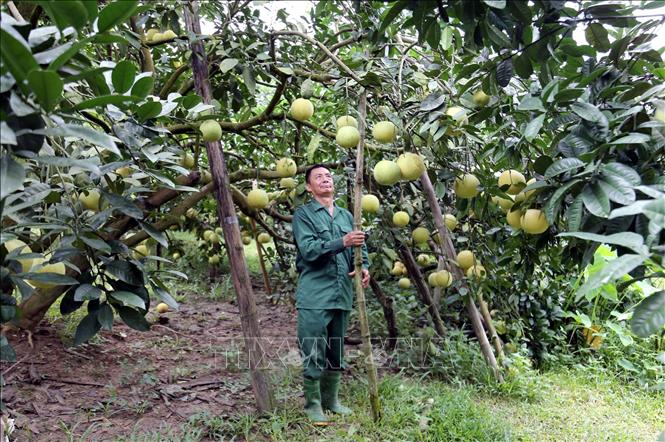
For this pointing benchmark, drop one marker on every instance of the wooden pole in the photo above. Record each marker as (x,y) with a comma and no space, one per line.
(259,251)
(494,337)
(372,379)
(388,312)
(229,222)
(448,250)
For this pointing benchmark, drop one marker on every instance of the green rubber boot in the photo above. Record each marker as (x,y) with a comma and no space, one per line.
(313,402)
(330,392)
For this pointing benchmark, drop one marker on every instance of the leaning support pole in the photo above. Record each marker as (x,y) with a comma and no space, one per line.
(259,252)
(449,252)
(372,379)
(229,222)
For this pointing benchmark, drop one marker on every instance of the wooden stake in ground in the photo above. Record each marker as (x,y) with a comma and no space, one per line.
(372,379)
(229,222)
(448,250)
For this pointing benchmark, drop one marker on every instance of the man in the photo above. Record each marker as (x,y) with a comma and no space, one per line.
(325,240)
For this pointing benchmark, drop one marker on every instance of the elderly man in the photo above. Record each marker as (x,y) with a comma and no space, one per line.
(324,239)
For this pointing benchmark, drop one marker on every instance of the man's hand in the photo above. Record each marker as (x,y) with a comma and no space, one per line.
(355,238)
(365,279)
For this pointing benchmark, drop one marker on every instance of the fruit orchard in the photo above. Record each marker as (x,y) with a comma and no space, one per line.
(513,174)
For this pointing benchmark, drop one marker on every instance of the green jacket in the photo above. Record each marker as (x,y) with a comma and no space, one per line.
(322,260)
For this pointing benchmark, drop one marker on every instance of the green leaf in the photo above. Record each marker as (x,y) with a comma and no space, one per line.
(84,132)
(649,315)
(432,101)
(504,72)
(47,87)
(105,316)
(563,165)
(228,64)
(66,13)
(87,328)
(125,271)
(523,66)
(655,211)
(531,104)
(542,163)
(630,240)
(128,299)
(12,175)
(496,4)
(165,296)
(446,38)
(610,272)
(87,292)
(148,110)
(632,138)
(623,172)
(123,76)
(133,318)
(596,200)
(143,86)
(589,112)
(16,55)
(554,202)
(116,100)
(392,14)
(617,191)
(123,204)
(534,127)
(160,237)
(96,243)
(115,13)
(596,36)
(574,213)
(53,278)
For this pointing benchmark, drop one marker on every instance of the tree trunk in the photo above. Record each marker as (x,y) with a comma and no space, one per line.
(388,312)
(494,337)
(229,222)
(421,287)
(449,252)
(372,379)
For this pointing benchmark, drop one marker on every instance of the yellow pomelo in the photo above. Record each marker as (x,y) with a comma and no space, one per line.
(206,177)
(214,238)
(422,259)
(302,109)
(346,120)
(90,200)
(480,98)
(593,337)
(431,279)
(450,221)
(370,203)
(384,132)
(288,183)
(150,34)
(246,240)
(530,192)
(13,244)
(660,114)
(264,238)
(458,114)
(157,37)
(210,130)
(534,222)
(504,203)
(40,265)
(411,165)
(169,35)
(214,259)
(140,251)
(257,199)
(187,161)
(347,136)
(466,186)
(124,171)
(191,213)
(404,283)
(420,235)
(477,271)
(175,256)
(513,218)
(511,181)
(286,167)
(400,219)
(465,259)
(443,278)
(387,172)
(162,307)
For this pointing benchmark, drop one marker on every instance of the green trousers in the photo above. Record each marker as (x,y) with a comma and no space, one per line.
(321,340)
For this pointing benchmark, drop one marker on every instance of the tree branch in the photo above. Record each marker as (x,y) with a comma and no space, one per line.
(164,92)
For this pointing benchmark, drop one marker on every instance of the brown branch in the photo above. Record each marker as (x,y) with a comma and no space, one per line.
(164,92)
(147,64)
(97,120)
(342,43)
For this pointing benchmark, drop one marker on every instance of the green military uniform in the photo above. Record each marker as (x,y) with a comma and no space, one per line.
(324,296)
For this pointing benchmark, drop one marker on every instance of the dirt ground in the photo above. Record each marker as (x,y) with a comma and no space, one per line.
(191,361)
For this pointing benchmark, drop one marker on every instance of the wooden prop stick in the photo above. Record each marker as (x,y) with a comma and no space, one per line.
(358,261)
(259,251)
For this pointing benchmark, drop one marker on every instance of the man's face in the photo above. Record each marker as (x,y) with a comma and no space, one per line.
(321,182)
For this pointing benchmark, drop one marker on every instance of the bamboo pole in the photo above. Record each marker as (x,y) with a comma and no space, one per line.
(229,221)
(449,251)
(494,337)
(358,261)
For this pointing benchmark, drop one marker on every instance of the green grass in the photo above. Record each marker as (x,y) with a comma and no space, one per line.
(569,406)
